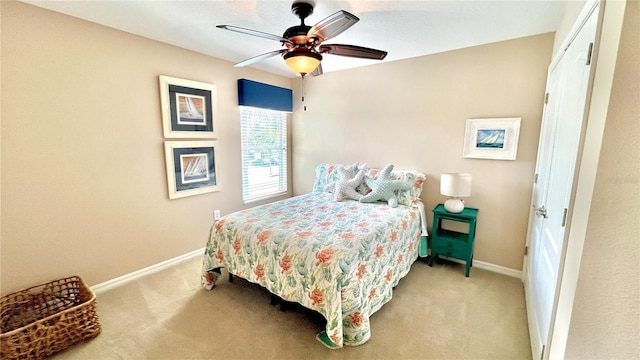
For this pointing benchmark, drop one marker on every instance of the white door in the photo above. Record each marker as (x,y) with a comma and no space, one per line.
(560,136)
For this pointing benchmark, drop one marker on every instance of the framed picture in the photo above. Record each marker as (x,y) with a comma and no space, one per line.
(188,108)
(191,167)
(495,139)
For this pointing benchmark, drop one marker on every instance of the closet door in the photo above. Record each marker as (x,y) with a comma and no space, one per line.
(559,145)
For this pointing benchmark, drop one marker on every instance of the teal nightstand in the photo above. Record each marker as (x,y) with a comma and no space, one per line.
(451,243)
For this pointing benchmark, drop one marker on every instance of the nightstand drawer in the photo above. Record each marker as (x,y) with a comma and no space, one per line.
(450,252)
(446,245)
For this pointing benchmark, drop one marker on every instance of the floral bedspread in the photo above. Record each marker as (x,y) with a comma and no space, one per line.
(341,259)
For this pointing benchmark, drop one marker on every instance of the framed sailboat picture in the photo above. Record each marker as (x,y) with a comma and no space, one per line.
(188,108)
(191,168)
(495,139)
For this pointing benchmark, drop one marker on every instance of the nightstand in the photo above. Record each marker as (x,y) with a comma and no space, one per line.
(453,244)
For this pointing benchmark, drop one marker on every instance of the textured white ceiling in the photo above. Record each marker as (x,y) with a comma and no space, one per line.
(403,28)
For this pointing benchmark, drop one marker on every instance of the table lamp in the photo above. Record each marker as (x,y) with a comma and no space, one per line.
(455,186)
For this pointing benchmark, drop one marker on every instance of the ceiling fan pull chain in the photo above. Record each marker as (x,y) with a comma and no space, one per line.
(303,93)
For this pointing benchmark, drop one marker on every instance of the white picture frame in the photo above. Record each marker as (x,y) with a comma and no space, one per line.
(188,108)
(192,168)
(494,138)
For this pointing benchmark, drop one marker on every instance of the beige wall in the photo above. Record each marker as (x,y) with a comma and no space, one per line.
(605,323)
(412,113)
(84,187)
(83,174)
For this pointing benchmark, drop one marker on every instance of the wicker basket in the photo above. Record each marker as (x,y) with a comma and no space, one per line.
(42,320)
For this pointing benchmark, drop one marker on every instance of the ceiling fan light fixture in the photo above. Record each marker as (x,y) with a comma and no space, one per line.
(302,62)
(303,44)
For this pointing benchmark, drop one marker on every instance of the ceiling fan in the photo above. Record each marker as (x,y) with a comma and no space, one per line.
(304,44)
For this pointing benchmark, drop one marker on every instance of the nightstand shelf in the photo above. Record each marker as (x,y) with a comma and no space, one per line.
(450,243)
(454,235)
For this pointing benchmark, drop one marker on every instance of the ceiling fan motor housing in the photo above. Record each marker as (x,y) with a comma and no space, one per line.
(297,34)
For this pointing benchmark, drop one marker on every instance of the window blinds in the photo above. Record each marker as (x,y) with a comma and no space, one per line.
(264,152)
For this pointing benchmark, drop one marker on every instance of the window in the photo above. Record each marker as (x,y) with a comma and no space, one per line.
(264,152)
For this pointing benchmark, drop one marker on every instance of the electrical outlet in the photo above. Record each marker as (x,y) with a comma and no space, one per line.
(216,214)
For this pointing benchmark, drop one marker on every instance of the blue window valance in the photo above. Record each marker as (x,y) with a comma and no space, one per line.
(265,96)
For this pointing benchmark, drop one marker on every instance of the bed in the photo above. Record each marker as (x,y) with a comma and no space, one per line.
(339,258)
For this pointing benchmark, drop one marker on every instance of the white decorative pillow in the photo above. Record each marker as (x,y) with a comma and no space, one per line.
(327,174)
(384,187)
(345,187)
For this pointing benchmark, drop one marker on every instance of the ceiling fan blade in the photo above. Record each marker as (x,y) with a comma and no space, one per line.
(353,51)
(254,33)
(317,71)
(259,58)
(332,26)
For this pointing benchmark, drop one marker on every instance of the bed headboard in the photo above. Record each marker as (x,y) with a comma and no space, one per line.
(327,173)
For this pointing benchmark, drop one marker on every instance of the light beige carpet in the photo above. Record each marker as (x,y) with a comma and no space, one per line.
(435,313)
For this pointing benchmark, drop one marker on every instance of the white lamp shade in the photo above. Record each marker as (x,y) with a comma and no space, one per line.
(456,185)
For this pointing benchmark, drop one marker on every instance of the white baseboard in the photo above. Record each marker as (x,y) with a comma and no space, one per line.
(497,269)
(490,267)
(119,281)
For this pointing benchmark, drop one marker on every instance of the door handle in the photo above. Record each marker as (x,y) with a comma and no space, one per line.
(540,211)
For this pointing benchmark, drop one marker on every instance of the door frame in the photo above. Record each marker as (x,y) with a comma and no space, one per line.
(544,345)
(604,58)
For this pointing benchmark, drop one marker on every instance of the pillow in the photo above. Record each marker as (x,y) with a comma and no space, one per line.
(345,187)
(384,187)
(327,174)
(408,197)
